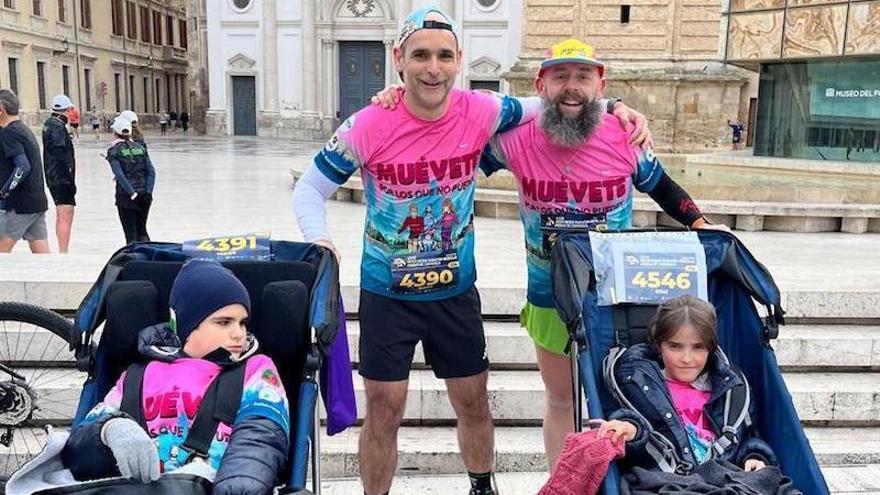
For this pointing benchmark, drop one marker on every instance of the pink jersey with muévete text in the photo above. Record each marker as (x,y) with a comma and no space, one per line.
(419,179)
(570,188)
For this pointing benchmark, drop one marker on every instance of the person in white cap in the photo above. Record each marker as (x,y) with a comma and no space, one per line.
(137,135)
(59,162)
(135,177)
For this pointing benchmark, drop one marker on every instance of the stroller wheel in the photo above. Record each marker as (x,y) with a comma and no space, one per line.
(39,382)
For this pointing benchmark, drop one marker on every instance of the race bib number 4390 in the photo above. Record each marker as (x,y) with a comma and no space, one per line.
(424,272)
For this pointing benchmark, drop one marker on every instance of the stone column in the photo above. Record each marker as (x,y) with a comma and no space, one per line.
(309,74)
(197,64)
(330,83)
(390,75)
(270,56)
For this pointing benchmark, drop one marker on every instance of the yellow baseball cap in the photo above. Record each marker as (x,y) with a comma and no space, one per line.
(571,51)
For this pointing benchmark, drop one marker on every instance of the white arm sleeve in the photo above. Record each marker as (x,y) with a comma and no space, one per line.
(311,193)
(531,108)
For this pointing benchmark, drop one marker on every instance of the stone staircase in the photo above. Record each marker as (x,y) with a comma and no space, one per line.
(829,354)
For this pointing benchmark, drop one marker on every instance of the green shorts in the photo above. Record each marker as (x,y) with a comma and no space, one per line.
(545,327)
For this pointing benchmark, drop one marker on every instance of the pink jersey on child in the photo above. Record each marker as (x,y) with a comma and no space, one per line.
(690,402)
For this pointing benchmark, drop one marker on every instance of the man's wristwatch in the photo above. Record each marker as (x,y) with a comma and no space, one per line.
(610,105)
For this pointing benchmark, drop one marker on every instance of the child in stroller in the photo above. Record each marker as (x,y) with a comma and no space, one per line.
(206,339)
(674,393)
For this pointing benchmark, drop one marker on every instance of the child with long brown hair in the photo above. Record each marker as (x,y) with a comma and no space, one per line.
(677,386)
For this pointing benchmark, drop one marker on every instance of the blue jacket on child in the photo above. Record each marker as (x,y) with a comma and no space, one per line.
(641,380)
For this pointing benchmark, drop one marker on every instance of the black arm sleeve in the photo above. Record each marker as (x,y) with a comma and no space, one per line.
(675,201)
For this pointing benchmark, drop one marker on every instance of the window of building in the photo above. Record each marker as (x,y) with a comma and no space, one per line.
(117,91)
(145,25)
(116,16)
(65,79)
(38,8)
(242,5)
(157,28)
(131,20)
(488,5)
(41,84)
(169,31)
(819,110)
(13,75)
(85,12)
(62,10)
(490,85)
(131,92)
(182,35)
(9,4)
(146,97)
(624,14)
(87,86)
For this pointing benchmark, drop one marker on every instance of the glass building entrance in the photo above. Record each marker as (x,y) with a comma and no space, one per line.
(820,109)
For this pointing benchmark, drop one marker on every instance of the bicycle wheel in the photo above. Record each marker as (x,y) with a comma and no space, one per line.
(39,382)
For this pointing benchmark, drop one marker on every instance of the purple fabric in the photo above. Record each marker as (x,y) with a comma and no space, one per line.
(337,388)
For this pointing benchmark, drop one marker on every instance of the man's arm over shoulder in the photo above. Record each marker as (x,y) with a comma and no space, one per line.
(493,157)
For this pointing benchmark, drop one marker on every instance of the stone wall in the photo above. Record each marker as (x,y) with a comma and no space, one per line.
(687,106)
(663,62)
(296,126)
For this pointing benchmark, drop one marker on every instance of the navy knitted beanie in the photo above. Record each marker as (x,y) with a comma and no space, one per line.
(202,287)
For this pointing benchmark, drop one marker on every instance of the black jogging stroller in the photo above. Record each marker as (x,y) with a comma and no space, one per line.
(295,316)
(736,281)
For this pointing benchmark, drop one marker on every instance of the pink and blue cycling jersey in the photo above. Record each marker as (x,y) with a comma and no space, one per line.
(419,178)
(570,189)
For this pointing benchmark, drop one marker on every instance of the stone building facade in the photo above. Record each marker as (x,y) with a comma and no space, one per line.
(110,55)
(296,68)
(662,57)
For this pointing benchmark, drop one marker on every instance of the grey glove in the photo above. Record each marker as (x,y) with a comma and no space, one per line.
(132,448)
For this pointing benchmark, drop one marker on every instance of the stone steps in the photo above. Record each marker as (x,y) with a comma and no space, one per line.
(799,347)
(434,450)
(814,347)
(517,398)
(842,480)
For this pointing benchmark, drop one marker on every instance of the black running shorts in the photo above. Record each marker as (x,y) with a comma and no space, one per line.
(64,194)
(451,332)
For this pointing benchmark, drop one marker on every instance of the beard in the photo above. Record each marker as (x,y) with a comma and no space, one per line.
(570,132)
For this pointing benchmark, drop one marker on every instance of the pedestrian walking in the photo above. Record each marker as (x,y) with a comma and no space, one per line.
(59,163)
(95,120)
(163,121)
(135,177)
(73,118)
(184,121)
(23,202)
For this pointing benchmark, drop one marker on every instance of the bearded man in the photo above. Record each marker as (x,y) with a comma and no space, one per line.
(575,170)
